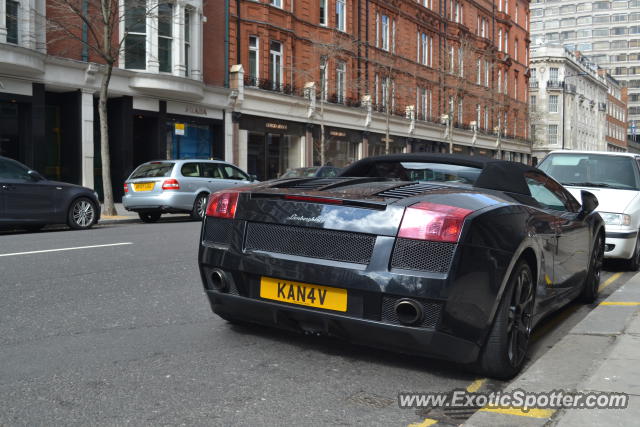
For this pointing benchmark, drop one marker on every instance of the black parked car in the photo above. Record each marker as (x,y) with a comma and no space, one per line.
(448,256)
(30,201)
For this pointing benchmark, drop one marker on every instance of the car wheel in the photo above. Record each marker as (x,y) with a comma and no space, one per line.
(592,281)
(504,352)
(149,217)
(200,207)
(82,214)
(634,263)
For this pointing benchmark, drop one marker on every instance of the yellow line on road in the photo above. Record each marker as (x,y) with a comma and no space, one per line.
(619,303)
(531,413)
(426,423)
(609,281)
(475,386)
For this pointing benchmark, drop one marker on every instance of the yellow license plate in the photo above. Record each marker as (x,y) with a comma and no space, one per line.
(303,294)
(144,186)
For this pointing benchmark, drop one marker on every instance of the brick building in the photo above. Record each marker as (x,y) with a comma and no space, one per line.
(362,69)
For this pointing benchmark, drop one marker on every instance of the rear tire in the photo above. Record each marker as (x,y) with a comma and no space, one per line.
(634,263)
(504,352)
(149,217)
(592,282)
(200,207)
(82,214)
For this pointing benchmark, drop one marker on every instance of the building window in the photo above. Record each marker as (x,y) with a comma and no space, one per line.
(254,60)
(341,70)
(460,62)
(553,74)
(486,73)
(515,87)
(478,72)
(533,102)
(499,39)
(425,48)
(277,3)
(324,12)
(384,32)
(341,15)
(552,137)
(506,42)
(478,115)
(135,43)
(12,21)
(187,40)
(486,118)
(515,50)
(165,36)
(499,81)
(451,60)
(460,111)
(275,68)
(324,80)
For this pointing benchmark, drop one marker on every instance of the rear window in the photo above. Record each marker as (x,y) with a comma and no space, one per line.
(592,170)
(425,172)
(153,170)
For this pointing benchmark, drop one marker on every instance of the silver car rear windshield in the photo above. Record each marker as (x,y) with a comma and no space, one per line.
(592,170)
(428,172)
(153,170)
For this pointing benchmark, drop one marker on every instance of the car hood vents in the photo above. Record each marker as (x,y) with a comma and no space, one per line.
(309,184)
(409,190)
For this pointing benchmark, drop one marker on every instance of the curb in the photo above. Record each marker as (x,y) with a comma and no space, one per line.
(570,362)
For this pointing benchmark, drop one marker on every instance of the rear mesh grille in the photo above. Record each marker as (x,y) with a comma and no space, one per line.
(218,230)
(431,312)
(422,255)
(409,190)
(311,242)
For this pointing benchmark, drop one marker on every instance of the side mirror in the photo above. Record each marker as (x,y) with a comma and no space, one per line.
(589,203)
(253,178)
(35,176)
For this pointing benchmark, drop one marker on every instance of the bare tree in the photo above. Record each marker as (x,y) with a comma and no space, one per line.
(95,25)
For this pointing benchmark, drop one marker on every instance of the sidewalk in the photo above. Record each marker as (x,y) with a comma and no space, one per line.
(124,216)
(601,353)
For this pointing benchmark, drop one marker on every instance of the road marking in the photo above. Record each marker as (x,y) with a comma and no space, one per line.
(66,249)
(426,423)
(531,412)
(609,281)
(619,303)
(475,386)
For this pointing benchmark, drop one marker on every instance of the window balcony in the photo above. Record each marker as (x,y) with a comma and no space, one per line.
(554,84)
(533,84)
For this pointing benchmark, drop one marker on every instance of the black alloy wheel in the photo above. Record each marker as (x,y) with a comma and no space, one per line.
(506,347)
(149,217)
(82,214)
(592,282)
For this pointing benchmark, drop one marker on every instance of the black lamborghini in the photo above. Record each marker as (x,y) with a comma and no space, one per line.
(447,256)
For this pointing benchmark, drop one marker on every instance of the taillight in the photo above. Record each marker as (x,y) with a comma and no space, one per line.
(126,188)
(171,184)
(431,221)
(223,204)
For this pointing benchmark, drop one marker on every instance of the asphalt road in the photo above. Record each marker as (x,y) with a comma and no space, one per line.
(120,333)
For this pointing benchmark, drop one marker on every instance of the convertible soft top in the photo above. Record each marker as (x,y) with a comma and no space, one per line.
(498,175)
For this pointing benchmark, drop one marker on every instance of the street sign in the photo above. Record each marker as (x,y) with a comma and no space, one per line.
(179,129)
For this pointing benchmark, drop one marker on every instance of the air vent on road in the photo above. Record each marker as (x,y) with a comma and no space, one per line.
(409,190)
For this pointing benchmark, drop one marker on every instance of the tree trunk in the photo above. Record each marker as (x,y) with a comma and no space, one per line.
(109,207)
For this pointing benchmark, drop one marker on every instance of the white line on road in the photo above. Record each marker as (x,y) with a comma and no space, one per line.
(67,249)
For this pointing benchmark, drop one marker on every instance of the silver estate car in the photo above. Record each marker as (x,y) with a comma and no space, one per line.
(174,186)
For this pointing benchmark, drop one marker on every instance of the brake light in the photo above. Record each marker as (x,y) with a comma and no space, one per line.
(314,199)
(126,188)
(223,204)
(171,184)
(431,221)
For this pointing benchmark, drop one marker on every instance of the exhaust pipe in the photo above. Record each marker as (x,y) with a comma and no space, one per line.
(408,312)
(218,281)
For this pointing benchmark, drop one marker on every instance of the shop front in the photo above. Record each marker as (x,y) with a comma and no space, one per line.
(378,144)
(422,146)
(341,146)
(272,146)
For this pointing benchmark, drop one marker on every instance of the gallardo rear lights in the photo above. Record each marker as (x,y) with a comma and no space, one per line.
(223,204)
(432,221)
